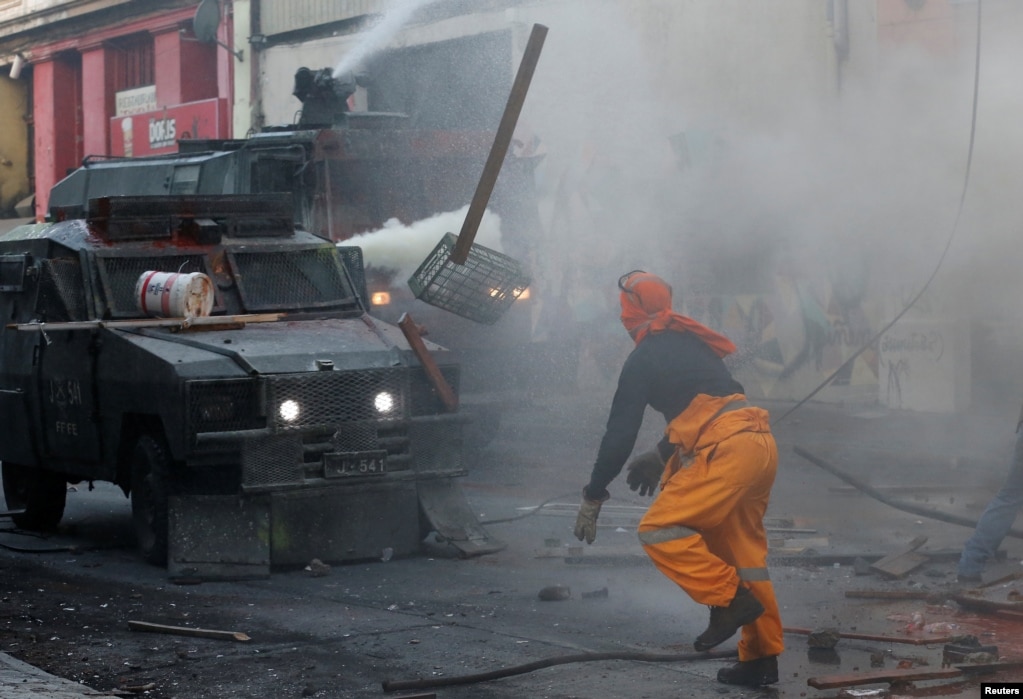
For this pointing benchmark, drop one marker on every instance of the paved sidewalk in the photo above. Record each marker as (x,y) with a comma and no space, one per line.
(20,680)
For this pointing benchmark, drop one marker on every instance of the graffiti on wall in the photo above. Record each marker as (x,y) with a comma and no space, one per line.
(795,335)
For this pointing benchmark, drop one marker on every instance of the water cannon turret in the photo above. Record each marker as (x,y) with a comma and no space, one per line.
(324,95)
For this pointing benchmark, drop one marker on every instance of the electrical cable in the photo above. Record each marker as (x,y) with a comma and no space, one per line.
(395,685)
(948,243)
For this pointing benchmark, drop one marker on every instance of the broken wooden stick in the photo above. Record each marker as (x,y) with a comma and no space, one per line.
(187,631)
(998,581)
(890,676)
(895,594)
(413,336)
(1011,610)
(913,641)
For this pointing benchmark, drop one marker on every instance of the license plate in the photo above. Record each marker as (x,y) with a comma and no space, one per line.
(363,463)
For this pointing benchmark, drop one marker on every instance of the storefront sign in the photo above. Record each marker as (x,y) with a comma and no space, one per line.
(159,131)
(136,101)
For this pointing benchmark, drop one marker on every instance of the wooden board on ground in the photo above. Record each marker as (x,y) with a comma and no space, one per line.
(896,565)
(134,625)
(890,676)
(986,606)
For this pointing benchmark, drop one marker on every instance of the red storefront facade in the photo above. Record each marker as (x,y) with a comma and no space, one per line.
(182,89)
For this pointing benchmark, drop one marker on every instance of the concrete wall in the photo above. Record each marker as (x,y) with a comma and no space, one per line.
(13,143)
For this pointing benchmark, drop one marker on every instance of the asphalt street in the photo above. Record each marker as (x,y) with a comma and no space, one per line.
(436,617)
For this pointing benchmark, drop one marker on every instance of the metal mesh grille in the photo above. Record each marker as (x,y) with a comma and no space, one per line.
(120,274)
(436,446)
(334,397)
(351,257)
(292,279)
(355,437)
(217,406)
(482,289)
(61,291)
(272,460)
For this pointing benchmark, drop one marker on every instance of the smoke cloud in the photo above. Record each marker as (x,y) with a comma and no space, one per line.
(731,148)
(402,248)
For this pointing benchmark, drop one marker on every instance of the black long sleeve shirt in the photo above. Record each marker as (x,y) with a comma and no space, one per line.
(665,371)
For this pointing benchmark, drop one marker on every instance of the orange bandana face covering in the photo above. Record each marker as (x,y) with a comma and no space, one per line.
(646,308)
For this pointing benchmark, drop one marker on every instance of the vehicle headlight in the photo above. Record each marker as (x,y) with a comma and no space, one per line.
(289,410)
(384,402)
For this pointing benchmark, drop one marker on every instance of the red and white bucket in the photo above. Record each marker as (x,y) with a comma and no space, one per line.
(174,295)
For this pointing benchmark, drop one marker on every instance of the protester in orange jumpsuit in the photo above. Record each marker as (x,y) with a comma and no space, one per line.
(714,470)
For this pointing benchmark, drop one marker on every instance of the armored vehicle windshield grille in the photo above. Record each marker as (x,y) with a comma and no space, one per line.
(291,279)
(329,398)
(224,405)
(118,275)
(61,294)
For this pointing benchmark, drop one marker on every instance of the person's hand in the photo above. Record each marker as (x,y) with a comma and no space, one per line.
(645,472)
(586,520)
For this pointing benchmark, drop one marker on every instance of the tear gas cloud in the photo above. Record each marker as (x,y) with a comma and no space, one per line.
(714,144)
(402,248)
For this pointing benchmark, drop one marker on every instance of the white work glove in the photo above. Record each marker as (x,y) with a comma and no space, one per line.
(586,520)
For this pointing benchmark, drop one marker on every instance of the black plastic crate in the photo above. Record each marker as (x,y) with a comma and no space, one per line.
(482,289)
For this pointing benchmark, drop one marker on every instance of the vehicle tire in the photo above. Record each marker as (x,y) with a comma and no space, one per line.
(150,487)
(42,495)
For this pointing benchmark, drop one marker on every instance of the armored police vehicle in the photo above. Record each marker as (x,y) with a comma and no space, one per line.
(257,415)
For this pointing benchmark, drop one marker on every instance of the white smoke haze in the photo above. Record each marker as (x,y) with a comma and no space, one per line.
(402,248)
(798,168)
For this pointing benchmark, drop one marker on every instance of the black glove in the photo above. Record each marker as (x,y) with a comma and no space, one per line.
(645,472)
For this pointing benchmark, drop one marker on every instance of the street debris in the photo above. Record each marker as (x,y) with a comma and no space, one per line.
(864,694)
(967,649)
(129,690)
(874,637)
(187,631)
(894,676)
(555,593)
(823,638)
(317,568)
(1012,610)
(898,564)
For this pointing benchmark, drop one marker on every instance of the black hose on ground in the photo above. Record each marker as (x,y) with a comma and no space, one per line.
(397,685)
(897,504)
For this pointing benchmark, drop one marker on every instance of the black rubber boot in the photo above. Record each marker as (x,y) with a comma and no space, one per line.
(725,621)
(751,673)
